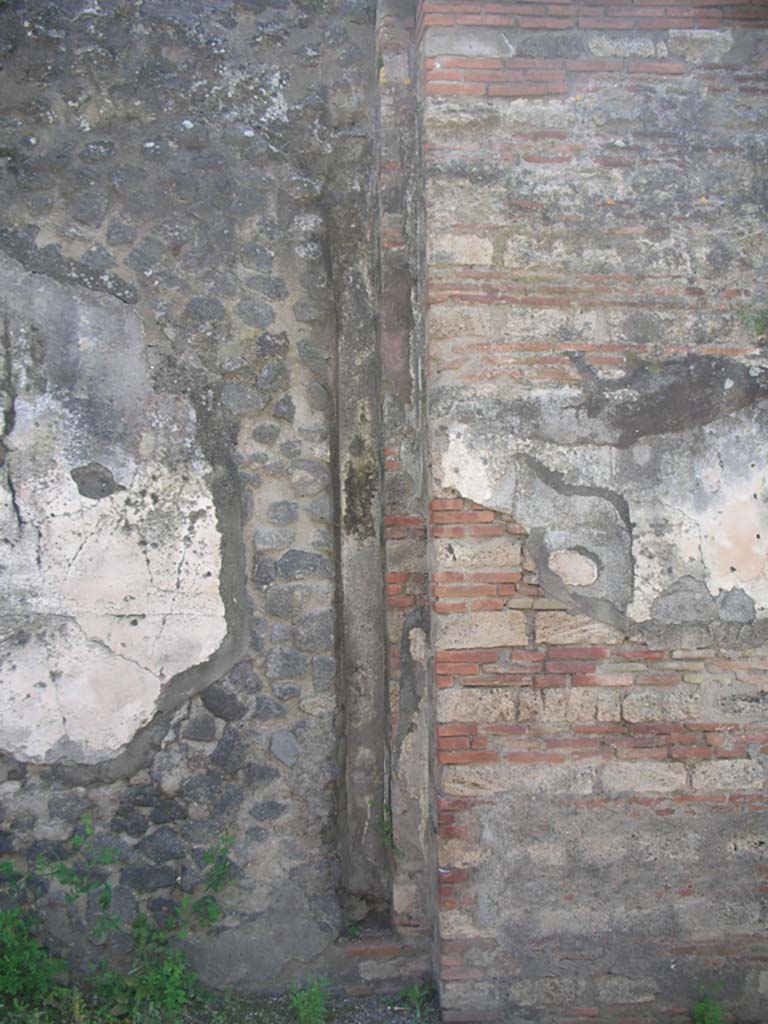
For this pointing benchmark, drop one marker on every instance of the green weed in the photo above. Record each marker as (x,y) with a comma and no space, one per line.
(755,317)
(27,969)
(417,996)
(385,826)
(310,1004)
(159,985)
(707,1009)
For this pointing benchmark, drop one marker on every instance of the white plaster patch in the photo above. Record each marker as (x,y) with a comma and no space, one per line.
(734,538)
(464,469)
(469,250)
(701,45)
(697,501)
(573,568)
(496,553)
(621,46)
(106,597)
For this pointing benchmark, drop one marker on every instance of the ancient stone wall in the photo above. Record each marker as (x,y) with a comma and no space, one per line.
(188,252)
(595,186)
(384,429)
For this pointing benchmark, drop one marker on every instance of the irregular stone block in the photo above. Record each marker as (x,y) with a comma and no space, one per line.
(728,774)
(635,777)
(284,747)
(561,629)
(481,629)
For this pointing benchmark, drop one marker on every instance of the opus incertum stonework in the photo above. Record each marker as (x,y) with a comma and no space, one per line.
(383,484)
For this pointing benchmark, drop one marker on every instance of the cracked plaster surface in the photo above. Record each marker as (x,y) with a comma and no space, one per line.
(104,599)
(688,506)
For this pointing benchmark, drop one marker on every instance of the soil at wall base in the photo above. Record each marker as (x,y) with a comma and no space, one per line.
(277,1010)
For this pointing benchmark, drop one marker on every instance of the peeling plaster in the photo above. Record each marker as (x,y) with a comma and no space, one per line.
(110,551)
(687,499)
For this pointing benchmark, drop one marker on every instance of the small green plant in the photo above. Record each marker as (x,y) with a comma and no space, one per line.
(310,1004)
(385,826)
(707,1009)
(86,875)
(416,996)
(27,969)
(755,317)
(160,983)
(353,932)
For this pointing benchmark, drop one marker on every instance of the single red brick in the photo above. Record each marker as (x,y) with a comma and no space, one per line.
(545,23)
(642,754)
(463,516)
(465,590)
(602,680)
(449,607)
(658,679)
(660,22)
(397,577)
(493,76)
(691,753)
(448,577)
(468,62)
(533,159)
(453,743)
(549,681)
(480,654)
(452,875)
(535,758)
(454,832)
(458,668)
(582,667)
(457,729)
(497,680)
(593,65)
(437,20)
(468,757)
(488,604)
(448,531)
(607,23)
(396,520)
(601,728)
(576,653)
(553,75)
(651,67)
(663,728)
(454,89)
(462,973)
(444,75)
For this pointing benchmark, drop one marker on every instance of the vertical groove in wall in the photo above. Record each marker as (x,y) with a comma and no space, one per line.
(350,208)
(400,353)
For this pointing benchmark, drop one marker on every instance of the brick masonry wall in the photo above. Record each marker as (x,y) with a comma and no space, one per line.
(592,224)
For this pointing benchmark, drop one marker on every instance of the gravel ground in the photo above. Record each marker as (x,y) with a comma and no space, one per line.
(277,1010)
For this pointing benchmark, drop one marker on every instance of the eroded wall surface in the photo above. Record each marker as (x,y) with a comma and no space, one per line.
(383,485)
(596,236)
(187,253)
